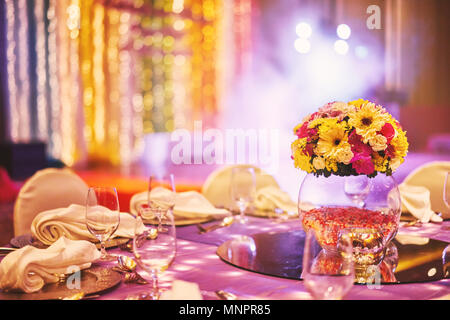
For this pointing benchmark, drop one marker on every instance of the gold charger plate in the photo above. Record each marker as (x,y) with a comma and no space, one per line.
(93,281)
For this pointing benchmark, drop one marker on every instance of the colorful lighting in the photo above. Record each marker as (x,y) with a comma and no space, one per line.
(303,30)
(343,31)
(341,47)
(302,45)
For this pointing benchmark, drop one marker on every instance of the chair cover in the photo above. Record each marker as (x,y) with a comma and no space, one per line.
(47,189)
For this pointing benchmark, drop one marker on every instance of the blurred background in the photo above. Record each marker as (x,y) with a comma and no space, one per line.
(103,83)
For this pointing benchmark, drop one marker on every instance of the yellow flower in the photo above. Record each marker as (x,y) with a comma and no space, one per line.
(319,163)
(331,141)
(379,162)
(395,163)
(378,142)
(331,165)
(301,160)
(368,120)
(400,144)
(358,103)
(344,155)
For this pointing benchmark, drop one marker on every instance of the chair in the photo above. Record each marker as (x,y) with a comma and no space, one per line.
(217,186)
(47,189)
(432,176)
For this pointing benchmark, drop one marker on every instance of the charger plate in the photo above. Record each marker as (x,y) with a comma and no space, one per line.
(280,254)
(94,280)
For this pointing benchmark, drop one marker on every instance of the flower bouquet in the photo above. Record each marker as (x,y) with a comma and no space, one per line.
(343,147)
(346,139)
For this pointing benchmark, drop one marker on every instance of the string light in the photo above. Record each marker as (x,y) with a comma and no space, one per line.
(23,98)
(11,63)
(41,72)
(106,75)
(55,136)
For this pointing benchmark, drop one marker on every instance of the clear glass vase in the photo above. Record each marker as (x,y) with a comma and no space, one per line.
(330,204)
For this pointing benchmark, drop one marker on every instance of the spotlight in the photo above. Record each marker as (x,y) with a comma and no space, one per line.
(303,30)
(361,52)
(343,31)
(302,45)
(341,47)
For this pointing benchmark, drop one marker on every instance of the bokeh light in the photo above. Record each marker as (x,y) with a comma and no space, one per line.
(343,31)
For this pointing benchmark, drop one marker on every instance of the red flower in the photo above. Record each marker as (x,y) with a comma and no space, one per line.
(305,132)
(388,131)
(309,149)
(358,147)
(390,151)
(362,164)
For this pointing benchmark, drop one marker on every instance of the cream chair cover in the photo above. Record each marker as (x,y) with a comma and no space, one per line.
(431,178)
(217,186)
(47,189)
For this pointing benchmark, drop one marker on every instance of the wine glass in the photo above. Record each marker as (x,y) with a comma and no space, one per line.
(243,189)
(154,249)
(447,190)
(161,195)
(328,275)
(357,188)
(102,216)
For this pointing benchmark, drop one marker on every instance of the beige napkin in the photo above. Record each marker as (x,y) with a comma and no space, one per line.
(188,205)
(29,269)
(416,200)
(182,290)
(270,198)
(49,226)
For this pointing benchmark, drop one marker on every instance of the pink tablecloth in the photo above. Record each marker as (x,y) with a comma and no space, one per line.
(198,262)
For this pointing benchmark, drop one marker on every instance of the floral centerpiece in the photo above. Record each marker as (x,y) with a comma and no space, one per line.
(346,139)
(343,147)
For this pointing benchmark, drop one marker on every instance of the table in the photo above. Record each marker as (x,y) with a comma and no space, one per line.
(197,261)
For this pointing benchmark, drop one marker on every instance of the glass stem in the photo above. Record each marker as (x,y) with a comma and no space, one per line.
(103,248)
(155,285)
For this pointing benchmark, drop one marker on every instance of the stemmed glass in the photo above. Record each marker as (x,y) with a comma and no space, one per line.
(446,194)
(243,189)
(161,195)
(328,275)
(154,249)
(102,216)
(357,188)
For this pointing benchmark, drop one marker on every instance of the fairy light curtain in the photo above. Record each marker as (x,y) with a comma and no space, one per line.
(92,77)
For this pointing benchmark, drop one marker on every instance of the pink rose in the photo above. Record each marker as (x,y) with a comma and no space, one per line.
(362,164)
(359,147)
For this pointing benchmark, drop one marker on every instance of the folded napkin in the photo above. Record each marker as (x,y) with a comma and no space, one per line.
(270,198)
(182,290)
(405,239)
(188,205)
(49,226)
(416,200)
(29,269)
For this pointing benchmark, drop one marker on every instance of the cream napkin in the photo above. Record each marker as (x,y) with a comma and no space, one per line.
(182,290)
(270,198)
(49,226)
(29,269)
(416,200)
(188,205)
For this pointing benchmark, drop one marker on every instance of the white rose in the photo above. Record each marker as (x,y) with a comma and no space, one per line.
(378,142)
(319,163)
